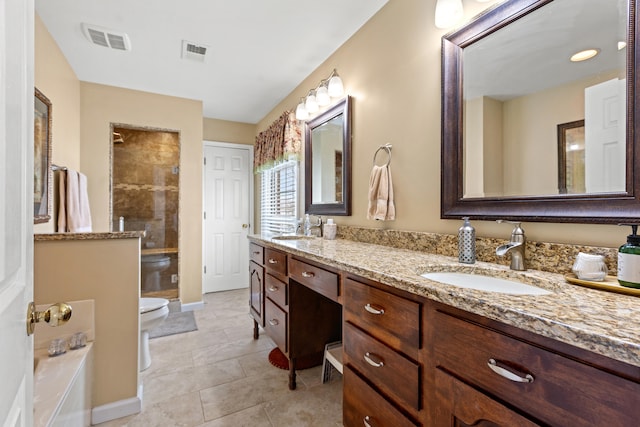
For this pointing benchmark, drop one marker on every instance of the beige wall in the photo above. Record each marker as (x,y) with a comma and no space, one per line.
(106,271)
(104,105)
(55,78)
(226,131)
(392,69)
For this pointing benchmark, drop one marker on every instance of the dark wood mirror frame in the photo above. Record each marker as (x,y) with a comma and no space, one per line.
(586,208)
(343,107)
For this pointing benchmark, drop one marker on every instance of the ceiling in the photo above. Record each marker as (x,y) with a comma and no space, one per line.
(258,51)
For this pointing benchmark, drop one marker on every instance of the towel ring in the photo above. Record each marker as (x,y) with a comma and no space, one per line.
(387,148)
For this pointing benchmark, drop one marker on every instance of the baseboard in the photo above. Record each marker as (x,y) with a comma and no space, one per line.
(114,410)
(193,306)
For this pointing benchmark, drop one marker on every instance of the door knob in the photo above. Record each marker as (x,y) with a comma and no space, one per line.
(56,315)
(245,225)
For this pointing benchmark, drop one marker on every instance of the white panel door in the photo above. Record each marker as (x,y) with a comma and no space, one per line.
(605,137)
(226,224)
(16,211)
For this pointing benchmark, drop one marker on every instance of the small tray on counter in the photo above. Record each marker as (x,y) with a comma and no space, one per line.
(610,284)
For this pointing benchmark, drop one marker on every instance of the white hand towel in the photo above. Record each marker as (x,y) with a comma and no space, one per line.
(381,205)
(78,212)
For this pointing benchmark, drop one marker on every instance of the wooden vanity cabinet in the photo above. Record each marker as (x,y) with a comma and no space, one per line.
(300,309)
(382,356)
(487,372)
(256,286)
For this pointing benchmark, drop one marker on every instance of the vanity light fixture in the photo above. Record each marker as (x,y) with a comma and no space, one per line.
(583,55)
(448,13)
(301,111)
(331,87)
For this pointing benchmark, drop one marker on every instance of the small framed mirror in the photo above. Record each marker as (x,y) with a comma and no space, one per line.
(328,161)
(42,175)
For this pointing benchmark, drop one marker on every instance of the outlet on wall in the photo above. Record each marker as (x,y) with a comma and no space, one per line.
(174,278)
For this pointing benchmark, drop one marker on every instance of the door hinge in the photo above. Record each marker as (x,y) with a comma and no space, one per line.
(205,161)
(205,269)
(205,214)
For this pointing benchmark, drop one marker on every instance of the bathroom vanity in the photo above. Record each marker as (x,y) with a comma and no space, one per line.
(422,353)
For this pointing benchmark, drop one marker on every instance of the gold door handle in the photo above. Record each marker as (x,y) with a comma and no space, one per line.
(245,225)
(56,315)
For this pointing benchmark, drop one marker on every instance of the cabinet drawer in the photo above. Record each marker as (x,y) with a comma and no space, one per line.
(563,391)
(392,373)
(276,290)
(363,406)
(322,281)
(275,261)
(389,318)
(256,253)
(276,324)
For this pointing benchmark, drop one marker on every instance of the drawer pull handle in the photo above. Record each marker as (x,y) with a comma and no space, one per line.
(373,310)
(256,252)
(366,421)
(369,358)
(273,288)
(273,261)
(308,274)
(274,322)
(508,374)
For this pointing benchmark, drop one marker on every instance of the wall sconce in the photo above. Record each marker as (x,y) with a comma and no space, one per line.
(448,13)
(320,97)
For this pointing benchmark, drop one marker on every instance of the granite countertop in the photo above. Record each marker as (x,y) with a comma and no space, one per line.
(602,322)
(88,236)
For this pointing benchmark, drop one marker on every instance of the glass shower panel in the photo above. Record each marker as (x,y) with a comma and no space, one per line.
(145,182)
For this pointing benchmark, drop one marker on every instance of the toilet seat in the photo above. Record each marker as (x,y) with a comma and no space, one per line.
(154,258)
(151,304)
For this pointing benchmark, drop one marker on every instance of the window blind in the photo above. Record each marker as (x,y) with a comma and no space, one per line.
(279,198)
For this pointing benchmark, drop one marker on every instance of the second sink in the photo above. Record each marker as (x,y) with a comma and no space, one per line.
(485,283)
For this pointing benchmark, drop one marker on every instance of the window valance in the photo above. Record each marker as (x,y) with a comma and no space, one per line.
(280,142)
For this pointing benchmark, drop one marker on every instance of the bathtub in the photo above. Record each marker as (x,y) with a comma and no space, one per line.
(62,388)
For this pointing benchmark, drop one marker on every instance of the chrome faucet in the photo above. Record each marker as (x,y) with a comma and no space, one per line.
(516,246)
(314,229)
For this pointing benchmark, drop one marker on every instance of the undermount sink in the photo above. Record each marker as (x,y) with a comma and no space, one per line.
(292,237)
(485,283)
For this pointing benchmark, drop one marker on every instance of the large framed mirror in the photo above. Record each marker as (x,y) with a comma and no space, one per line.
(508,83)
(328,161)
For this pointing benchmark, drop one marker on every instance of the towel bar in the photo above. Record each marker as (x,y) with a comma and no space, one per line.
(387,148)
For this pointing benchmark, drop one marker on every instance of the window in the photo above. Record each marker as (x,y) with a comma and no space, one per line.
(279,198)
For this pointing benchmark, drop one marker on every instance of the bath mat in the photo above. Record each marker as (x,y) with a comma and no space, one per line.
(279,360)
(175,323)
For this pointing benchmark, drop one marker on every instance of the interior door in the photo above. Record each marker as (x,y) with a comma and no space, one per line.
(605,136)
(226,223)
(16,210)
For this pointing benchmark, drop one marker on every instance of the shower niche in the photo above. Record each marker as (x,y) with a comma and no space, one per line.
(145,178)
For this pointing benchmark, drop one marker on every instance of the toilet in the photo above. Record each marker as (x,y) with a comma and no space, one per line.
(152,266)
(153,311)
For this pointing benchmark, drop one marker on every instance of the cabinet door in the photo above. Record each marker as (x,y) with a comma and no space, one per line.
(256,286)
(459,405)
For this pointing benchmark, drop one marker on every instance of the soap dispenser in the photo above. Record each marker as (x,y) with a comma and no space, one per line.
(629,260)
(467,242)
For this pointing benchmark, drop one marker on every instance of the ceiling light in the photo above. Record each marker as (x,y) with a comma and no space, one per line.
(448,13)
(622,45)
(584,55)
(335,88)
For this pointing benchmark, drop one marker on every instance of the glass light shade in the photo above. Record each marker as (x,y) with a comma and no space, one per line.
(301,111)
(448,13)
(335,88)
(311,105)
(322,96)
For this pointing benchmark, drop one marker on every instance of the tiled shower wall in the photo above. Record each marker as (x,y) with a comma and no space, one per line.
(145,178)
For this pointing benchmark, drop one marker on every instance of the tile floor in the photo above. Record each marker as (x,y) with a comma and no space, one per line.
(220,376)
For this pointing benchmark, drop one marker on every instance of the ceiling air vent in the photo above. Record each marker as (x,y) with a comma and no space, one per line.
(193,51)
(106,37)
